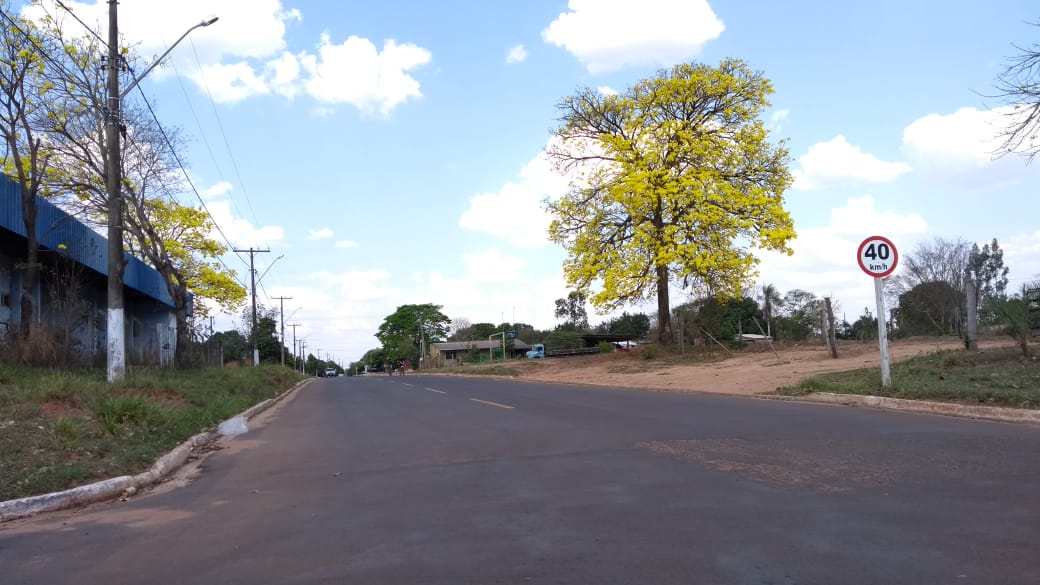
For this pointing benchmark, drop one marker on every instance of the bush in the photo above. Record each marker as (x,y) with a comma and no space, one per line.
(605,347)
(649,352)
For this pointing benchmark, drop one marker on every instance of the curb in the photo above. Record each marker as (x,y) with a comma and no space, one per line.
(117,486)
(995,413)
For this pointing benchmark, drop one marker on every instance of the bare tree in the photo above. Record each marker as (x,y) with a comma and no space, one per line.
(1019,87)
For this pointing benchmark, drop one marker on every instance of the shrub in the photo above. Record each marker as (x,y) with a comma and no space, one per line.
(605,347)
(649,352)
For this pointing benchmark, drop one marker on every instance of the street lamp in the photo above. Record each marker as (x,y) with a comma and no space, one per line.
(116,327)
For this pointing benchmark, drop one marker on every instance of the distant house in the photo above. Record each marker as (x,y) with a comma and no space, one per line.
(71,294)
(458,351)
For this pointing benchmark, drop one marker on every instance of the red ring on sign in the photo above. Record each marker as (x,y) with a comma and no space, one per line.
(891,246)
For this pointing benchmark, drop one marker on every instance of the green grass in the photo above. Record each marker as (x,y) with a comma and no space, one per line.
(994,377)
(60,429)
(487,370)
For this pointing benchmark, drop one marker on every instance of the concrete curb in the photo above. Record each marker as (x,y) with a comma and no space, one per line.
(117,486)
(996,413)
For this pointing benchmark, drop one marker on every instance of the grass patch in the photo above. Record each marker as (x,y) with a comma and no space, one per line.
(60,429)
(995,377)
(488,370)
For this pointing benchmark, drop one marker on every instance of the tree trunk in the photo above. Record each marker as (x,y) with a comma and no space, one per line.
(664,317)
(32,270)
(180,311)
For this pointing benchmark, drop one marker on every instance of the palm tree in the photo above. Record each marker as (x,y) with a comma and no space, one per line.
(770,300)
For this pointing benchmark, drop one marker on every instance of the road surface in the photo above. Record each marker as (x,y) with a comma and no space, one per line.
(459,481)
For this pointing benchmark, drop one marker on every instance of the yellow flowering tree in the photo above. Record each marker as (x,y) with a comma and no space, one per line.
(674,180)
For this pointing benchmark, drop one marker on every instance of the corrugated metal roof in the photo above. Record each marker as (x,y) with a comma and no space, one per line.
(54,228)
(481,344)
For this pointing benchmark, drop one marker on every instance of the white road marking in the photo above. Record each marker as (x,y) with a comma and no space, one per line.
(437,391)
(489,403)
(407,384)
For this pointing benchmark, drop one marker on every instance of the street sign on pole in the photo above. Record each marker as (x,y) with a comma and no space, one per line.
(878,257)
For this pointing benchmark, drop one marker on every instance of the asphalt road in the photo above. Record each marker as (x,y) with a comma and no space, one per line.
(458,481)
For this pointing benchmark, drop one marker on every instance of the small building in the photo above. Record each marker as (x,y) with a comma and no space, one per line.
(457,352)
(71,294)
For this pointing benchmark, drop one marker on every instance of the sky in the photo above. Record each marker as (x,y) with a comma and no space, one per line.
(391,152)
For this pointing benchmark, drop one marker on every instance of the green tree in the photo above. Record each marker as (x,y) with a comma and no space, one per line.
(771,302)
(986,268)
(1020,314)
(930,308)
(401,332)
(678,181)
(635,325)
(175,240)
(234,346)
(800,317)
(571,309)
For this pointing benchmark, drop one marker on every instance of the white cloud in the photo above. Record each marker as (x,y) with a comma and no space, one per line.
(1022,256)
(493,266)
(777,119)
(959,148)
(517,54)
(834,162)
(346,244)
(515,212)
(606,90)
(319,234)
(609,34)
(824,259)
(241,232)
(355,72)
(245,53)
(218,189)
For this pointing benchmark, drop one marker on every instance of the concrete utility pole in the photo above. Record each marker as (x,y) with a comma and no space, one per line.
(294,326)
(116,318)
(252,273)
(303,356)
(281,317)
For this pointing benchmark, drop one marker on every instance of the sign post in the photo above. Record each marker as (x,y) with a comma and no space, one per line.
(878,257)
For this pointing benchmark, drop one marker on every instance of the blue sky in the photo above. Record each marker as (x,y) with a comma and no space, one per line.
(389,152)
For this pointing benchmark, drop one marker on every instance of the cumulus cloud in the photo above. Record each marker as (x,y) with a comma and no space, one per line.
(515,211)
(245,54)
(777,119)
(824,259)
(960,148)
(606,35)
(834,162)
(606,90)
(517,54)
(319,234)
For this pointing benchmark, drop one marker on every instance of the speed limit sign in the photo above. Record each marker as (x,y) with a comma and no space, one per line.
(877,256)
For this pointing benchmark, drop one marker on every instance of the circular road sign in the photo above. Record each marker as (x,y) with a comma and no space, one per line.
(877,256)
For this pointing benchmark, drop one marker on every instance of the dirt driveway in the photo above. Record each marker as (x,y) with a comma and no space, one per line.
(743,373)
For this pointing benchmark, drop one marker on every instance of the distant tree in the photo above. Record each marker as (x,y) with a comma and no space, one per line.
(866,327)
(986,268)
(1018,86)
(1020,314)
(564,339)
(401,332)
(571,310)
(458,324)
(679,182)
(771,303)
(234,346)
(800,317)
(635,325)
(930,308)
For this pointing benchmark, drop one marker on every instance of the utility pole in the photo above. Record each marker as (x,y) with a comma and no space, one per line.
(115,329)
(281,317)
(317,354)
(294,326)
(303,356)
(252,273)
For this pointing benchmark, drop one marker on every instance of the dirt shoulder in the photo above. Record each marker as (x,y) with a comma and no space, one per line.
(744,373)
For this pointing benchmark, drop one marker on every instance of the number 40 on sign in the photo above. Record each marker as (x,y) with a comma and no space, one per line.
(878,256)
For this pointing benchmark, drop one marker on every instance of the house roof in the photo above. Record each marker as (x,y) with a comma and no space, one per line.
(480,344)
(57,230)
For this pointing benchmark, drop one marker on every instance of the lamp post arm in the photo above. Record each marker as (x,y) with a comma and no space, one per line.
(137,80)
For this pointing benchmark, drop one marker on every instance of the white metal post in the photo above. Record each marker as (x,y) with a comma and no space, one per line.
(879,290)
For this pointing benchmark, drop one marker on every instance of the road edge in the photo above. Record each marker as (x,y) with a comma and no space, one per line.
(115,487)
(994,413)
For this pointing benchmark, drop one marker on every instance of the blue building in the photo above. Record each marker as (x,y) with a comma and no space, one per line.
(71,293)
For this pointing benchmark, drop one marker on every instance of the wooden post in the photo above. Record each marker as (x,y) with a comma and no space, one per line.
(832,339)
(886,374)
(973,317)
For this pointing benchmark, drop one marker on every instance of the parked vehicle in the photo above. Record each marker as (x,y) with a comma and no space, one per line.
(331,373)
(538,351)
